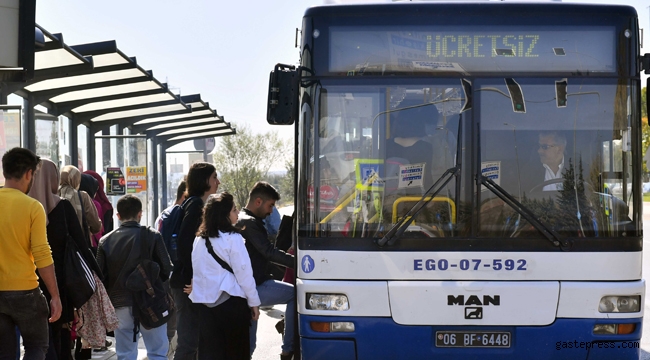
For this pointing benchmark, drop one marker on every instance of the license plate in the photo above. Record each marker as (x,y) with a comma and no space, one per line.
(473,339)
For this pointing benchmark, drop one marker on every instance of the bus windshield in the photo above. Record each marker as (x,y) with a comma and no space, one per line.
(559,147)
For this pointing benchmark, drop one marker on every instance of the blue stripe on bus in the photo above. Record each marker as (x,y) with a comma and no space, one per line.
(382,338)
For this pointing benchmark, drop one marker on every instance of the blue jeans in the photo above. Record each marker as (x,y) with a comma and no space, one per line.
(28,311)
(155,340)
(273,292)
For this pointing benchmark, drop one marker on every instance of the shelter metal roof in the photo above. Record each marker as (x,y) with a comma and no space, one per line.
(99,86)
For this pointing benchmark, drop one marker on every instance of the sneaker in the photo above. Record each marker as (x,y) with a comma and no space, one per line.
(107,344)
(266,308)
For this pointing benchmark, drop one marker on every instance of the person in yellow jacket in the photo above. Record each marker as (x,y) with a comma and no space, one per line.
(24,249)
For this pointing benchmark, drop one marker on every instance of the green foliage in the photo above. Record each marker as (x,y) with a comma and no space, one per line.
(244,159)
(287,183)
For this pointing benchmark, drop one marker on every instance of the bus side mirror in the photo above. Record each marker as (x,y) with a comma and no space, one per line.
(284,84)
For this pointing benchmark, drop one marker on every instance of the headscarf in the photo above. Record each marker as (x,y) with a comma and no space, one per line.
(45,186)
(101,195)
(70,180)
(89,184)
(70,176)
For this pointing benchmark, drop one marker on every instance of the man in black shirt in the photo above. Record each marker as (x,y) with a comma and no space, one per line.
(261,202)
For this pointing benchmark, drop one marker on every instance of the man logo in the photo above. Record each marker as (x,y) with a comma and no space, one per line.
(473,313)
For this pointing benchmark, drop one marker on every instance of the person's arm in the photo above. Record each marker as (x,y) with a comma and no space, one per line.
(91,213)
(186,235)
(256,235)
(161,256)
(49,278)
(240,263)
(101,261)
(42,254)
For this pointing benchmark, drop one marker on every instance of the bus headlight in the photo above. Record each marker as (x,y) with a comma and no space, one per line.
(337,302)
(620,304)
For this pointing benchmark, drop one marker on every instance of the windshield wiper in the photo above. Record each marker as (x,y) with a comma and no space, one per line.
(550,234)
(400,227)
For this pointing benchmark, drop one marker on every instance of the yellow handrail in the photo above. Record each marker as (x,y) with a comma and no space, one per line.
(340,207)
(417,198)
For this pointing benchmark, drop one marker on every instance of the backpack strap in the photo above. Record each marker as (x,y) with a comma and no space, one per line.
(223,264)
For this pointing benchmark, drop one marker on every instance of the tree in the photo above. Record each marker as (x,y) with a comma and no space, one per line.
(286,185)
(245,158)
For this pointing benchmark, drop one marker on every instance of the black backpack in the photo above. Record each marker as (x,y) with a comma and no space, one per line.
(152,305)
(171,225)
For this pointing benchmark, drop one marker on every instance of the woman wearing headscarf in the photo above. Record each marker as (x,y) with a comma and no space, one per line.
(90,185)
(60,213)
(106,214)
(83,204)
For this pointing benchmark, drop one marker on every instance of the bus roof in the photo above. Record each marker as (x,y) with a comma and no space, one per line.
(484,8)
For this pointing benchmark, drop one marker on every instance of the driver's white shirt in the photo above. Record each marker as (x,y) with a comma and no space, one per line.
(550,175)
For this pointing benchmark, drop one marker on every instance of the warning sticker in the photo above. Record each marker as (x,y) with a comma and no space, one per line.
(491,170)
(411,176)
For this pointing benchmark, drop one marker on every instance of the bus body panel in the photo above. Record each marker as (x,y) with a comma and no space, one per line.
(456,265)
(502,302)
(474,302)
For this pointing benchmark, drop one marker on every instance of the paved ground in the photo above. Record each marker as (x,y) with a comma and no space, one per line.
(268,340)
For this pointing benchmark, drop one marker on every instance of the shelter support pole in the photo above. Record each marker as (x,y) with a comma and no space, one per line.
(73,142)
(162,156)
(29,124)
(154,182)
(90,145)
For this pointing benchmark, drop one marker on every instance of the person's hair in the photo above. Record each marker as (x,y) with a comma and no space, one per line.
(128,206)
(197,178)
(17,161)
(264,191)
(559,137)
(181,190)
(216,216)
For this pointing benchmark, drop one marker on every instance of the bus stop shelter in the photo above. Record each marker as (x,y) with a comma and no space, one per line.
(114,113)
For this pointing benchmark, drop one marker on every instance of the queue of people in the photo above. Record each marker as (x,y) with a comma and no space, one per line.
(218,281)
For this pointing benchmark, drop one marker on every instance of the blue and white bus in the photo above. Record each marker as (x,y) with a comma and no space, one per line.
(468,180)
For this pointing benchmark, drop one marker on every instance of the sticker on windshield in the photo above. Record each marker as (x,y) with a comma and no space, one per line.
(307,264)
(491,170)
(411,176)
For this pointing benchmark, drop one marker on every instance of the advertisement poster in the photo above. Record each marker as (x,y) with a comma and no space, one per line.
(9,134)
(136,179)
(115,182)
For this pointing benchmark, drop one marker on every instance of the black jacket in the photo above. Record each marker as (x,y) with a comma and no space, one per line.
(260,249)
(183,272)
(113,253)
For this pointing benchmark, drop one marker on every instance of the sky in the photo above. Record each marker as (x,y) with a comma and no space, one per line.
(223,50)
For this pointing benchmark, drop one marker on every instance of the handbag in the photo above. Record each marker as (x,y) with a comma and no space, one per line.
(80,283)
